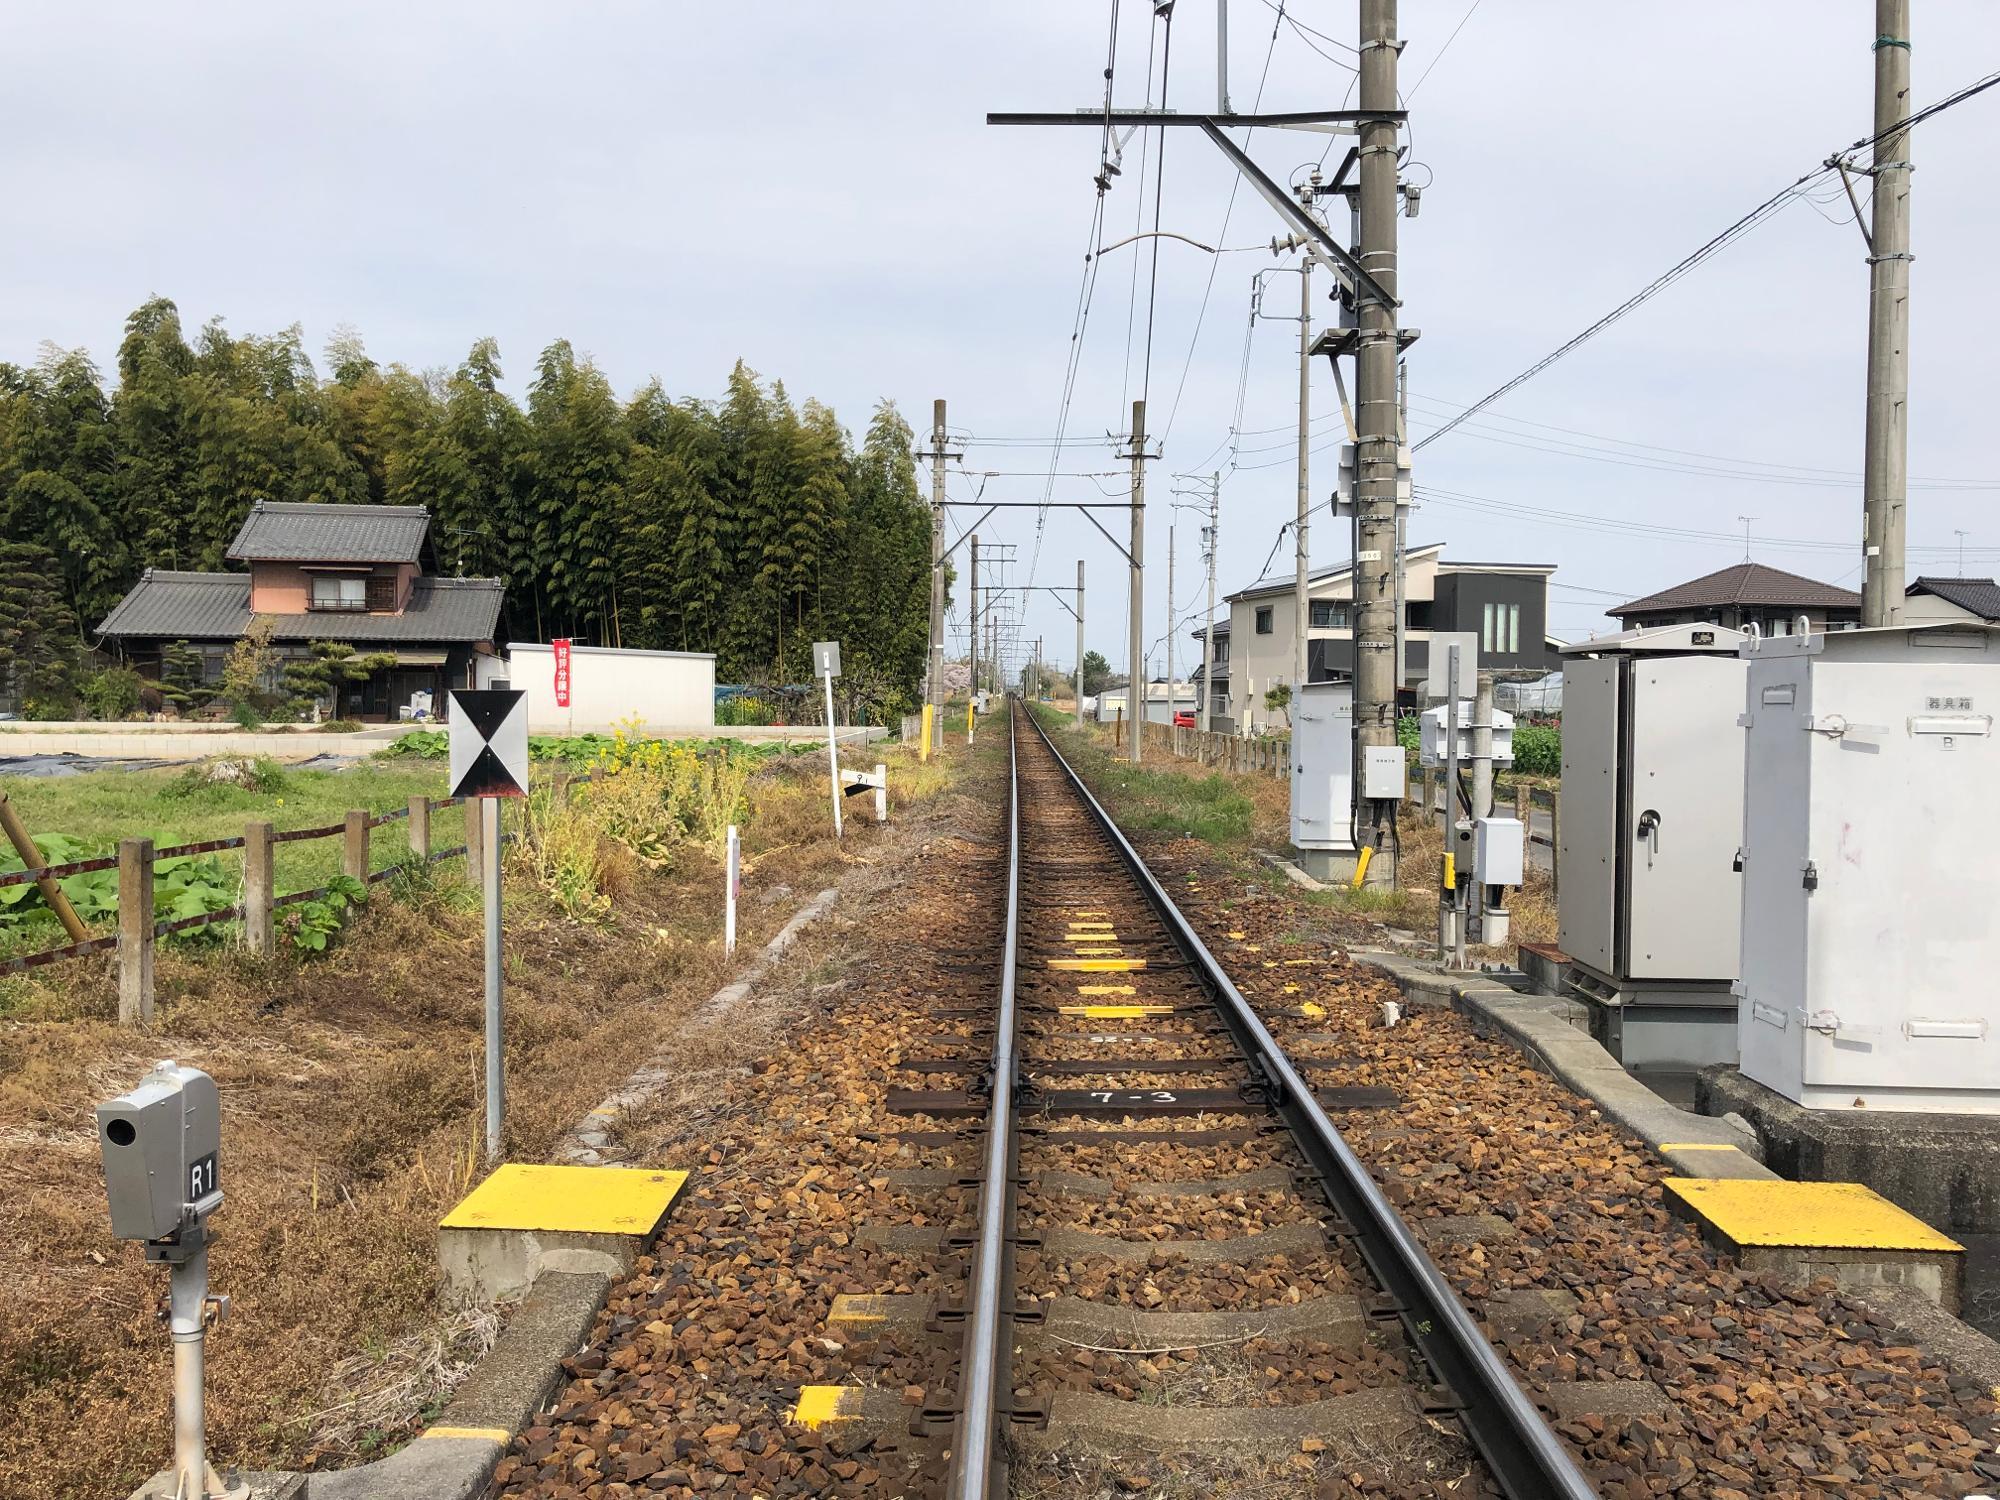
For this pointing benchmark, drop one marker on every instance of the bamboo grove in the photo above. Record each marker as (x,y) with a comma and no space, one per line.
(745,525)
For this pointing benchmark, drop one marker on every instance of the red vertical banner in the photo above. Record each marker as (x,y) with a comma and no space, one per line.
(562,671)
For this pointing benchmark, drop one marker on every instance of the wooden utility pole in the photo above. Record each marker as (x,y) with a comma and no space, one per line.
(1375,420)
(1885,468)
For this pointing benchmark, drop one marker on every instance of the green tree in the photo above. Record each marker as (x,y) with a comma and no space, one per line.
(1096,673)
(38,641)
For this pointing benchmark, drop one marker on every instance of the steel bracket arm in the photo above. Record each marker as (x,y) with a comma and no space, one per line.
(1329,249)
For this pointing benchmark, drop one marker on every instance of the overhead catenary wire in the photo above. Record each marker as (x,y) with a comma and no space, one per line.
(1714,245)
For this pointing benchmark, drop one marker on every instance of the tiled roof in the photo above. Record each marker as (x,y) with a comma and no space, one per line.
(1743,583)
(1979,596)
(216,606)
(285,531)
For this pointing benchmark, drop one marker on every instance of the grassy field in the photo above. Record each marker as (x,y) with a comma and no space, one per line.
(170,807)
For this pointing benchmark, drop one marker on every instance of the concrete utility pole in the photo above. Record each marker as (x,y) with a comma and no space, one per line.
(1170,620)
(1211,536)
(1079,643)
(1375,420)
(1135,642)
(1885,469)
(972,618)
(1301,563)
(937,566)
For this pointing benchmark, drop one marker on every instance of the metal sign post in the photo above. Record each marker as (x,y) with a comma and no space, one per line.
(489,760)
(735,892)
(826,662)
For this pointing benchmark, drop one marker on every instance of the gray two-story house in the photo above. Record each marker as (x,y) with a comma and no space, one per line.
(1504,605)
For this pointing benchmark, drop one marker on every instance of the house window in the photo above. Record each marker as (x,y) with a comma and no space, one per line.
(337,591)
(1326,615)
(1500,629)
(382,593)
(1264,620)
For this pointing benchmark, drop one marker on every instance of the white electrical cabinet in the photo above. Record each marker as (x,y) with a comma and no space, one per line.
(1323,767)
(1652,806)
(1869,939)
(1431,736)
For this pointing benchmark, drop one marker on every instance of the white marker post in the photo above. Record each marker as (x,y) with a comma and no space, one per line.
(735,892)
(489,760)
(826,663)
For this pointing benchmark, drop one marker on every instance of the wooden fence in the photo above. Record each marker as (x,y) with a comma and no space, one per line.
(1269,754)
(139,928)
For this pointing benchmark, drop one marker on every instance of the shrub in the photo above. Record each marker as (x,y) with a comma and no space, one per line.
(213,777)
(561,854)
(652,796)
(310,925)
(1538,749)
(245,716)
(112,693)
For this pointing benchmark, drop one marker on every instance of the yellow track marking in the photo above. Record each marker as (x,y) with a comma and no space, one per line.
(1310,1009)
(1106,989)
(822,1404)
(1821,1215)
(1097,965)
(851,1307)
(1116,1012)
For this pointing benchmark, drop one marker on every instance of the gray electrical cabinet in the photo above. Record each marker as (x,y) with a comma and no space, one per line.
(1869,941)
(1652,805)
(1323,768)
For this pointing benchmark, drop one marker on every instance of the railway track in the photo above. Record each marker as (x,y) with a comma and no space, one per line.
(835,1305)
(1146,1135)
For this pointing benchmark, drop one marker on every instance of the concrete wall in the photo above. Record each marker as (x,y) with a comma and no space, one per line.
(664,689)
(1928,609)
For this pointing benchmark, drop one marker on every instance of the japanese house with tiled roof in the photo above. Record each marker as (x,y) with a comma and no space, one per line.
(347,573)
(1746,594)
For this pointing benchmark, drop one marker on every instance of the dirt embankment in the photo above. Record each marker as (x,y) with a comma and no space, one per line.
(352,1108)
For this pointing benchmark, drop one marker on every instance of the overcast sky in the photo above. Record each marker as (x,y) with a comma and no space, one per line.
(813,188)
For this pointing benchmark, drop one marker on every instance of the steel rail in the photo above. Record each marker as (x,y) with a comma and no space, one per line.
(977,1467)
(1528,1460)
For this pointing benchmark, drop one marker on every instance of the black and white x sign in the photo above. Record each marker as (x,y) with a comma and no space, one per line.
(489,743)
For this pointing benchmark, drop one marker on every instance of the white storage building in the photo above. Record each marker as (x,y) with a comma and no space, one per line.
(666,690)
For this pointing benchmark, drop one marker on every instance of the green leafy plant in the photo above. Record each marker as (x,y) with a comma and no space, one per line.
(184,885)
(310,925)
(112,693)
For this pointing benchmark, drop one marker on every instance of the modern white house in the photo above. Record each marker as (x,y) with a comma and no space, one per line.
(1504,606)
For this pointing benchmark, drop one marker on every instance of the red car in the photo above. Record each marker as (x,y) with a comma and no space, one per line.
(1183,718)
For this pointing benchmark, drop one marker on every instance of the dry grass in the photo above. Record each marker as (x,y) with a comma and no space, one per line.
(351,1097)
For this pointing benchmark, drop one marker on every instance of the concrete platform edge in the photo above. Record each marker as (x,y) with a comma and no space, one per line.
(1535,1025)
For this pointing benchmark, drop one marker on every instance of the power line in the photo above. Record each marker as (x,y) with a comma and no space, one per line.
(1442,50)
(1713,246)
(1228,211)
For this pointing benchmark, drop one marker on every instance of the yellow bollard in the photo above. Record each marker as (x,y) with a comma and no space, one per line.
(924,745)
(1361,867)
